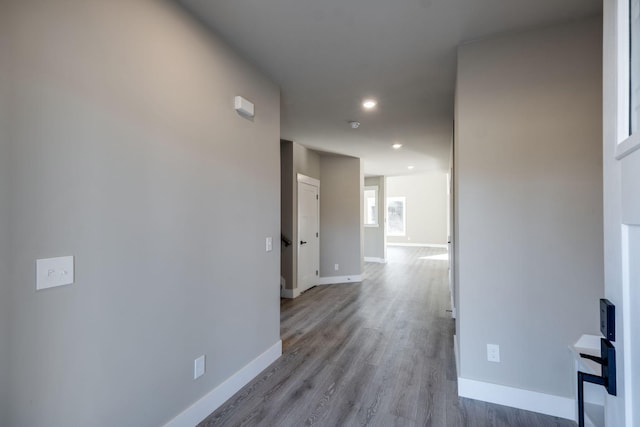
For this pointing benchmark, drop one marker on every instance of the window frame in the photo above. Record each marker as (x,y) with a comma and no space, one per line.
(376,223)
(627,141)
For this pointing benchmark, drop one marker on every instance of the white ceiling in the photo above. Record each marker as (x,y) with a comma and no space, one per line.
(328,55)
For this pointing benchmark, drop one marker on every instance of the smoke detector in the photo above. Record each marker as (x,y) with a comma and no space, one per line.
(354,124)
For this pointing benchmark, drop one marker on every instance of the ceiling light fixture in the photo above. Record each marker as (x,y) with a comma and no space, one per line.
(409,167)
(354,124)
(397,146)
(369,103)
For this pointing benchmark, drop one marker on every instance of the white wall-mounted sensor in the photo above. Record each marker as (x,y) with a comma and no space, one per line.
(244,106)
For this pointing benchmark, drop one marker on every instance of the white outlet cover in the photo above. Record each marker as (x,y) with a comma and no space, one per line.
(493,353)
(198,367)
(52,272)
(269,244)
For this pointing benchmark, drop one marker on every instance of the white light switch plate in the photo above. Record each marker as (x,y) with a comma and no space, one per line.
(52,272)
(269,244)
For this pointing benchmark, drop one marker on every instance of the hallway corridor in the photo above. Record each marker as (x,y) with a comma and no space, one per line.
(376,353)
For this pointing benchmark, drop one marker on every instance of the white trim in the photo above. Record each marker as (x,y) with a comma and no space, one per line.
(375,259)
(628,146)
(420,245)
(308,180)
(334,280)
(629,366)
(289,293)
(622,70)
(557,406)
(216,397)
(455,353)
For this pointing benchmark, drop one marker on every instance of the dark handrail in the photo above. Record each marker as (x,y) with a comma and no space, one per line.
(286,242)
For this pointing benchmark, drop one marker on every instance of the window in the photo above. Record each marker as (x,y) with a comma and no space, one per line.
(396,216)
(371,206)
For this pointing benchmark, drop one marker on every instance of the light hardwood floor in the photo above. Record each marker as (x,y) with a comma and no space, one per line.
(376,353)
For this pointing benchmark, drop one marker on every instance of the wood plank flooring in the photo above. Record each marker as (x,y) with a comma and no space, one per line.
(376,353)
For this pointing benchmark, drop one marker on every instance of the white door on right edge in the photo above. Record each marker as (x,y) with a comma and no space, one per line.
(621,153)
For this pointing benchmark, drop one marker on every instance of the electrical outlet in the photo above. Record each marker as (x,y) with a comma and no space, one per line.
(493,353)
(198,367)
(337,267)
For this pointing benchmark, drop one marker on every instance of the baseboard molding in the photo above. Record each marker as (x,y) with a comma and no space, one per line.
(216,397)
(374,259)
(340,279)
(289,293)
(542,403)
(420,245)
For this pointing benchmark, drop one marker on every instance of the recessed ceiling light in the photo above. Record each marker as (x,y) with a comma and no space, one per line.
(397,146)
(409,167)
(369,103)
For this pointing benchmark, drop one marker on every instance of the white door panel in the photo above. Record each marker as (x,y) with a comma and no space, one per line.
(622,201)
(630,198)
(308,238)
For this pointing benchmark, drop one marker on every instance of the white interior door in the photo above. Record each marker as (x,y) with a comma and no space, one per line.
(308,232)
(622,200)
(631,304)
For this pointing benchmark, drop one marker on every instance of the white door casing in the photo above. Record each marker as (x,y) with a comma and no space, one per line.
(308,244)
(621,161)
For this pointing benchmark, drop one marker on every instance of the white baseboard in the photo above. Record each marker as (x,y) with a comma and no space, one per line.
(374,259)
(289,293)
(420,245)
(340,279)
(216,397)
(557,406)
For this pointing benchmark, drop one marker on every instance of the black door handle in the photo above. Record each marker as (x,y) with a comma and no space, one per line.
(302,242)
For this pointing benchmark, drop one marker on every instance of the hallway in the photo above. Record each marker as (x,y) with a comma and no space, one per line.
(376,353)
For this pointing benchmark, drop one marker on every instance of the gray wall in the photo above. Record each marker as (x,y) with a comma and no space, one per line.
(127,153)
(374,237)
(426,198)
(306,162)
(529,190)
(341,237)
(5,245)
(295,159)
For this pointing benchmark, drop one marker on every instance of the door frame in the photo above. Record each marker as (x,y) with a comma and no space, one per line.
(300,178)
(620,209)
